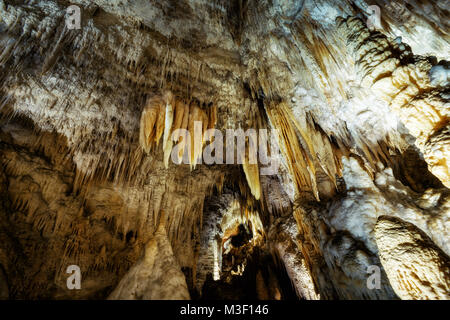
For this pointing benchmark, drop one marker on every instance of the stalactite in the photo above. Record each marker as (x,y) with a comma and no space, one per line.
(177,115)
(300,165)
(148,120)
(83,113)
(252,174)
(193,146)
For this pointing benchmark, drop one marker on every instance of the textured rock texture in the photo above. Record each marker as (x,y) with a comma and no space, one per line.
(155,276)
(411,87)
(416,267)
(360,115)
(4,290)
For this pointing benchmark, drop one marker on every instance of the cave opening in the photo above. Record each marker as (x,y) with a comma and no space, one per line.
(261,279)
(243,236)
(245,265)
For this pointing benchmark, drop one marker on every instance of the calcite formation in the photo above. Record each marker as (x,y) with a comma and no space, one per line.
(104,129)
(410,85)
(416,267)
(163,115)
(155,276)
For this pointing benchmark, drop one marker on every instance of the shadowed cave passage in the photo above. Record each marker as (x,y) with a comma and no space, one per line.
(244,235)
(243,265)
(261,279)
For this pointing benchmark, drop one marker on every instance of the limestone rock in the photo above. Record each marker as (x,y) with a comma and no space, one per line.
(156,276)
(360,116)
(416,267)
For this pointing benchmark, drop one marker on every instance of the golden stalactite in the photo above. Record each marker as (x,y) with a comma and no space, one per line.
(249,158)
(252,174)
(149,119)
(184,125)
(299,163)
(162,115)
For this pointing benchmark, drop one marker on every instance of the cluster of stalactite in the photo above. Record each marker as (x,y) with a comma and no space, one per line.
(235,256)
(162,115)
(307,153)
(38,197)
(304,153)
(118,157)
(253,146)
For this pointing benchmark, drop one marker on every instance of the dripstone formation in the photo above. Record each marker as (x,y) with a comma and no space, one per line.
(106,131)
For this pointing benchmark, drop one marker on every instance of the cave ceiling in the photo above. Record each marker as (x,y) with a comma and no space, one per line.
(355,104)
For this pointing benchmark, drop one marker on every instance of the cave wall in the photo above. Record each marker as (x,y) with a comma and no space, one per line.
(360,115)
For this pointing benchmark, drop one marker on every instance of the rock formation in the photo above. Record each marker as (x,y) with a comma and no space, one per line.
(155,276)
(198,149)
(416,267)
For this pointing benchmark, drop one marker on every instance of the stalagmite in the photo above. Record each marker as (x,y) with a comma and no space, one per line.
(362,124)
(156,276)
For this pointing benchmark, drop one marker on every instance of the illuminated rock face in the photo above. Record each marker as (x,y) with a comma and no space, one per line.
(416,267)
(87,176)
(155,276)
(413,86)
